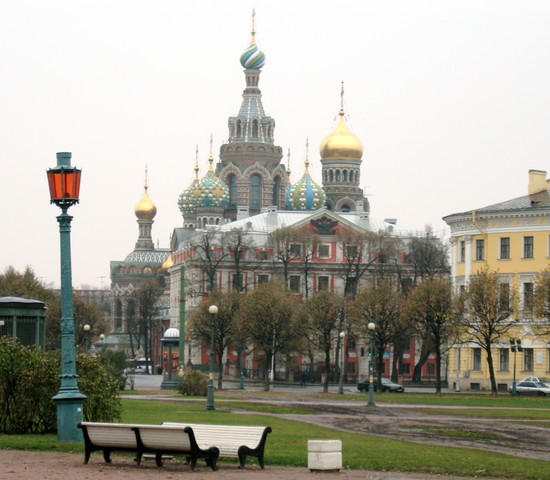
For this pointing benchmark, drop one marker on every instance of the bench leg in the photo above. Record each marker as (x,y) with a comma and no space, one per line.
(107,455)
(158,459)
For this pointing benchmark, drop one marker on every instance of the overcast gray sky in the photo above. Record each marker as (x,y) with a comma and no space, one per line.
(451,100)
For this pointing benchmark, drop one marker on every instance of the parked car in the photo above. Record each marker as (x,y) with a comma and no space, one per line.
(532,388)
(544,380)
(387,386)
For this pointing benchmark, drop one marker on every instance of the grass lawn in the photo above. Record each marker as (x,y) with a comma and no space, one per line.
(287,445)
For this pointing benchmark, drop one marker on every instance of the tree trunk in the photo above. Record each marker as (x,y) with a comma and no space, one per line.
(494,391)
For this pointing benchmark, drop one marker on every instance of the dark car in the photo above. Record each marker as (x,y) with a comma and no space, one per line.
(387,386)
(532,388)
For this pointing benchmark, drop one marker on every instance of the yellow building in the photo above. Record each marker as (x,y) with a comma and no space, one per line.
(511,238)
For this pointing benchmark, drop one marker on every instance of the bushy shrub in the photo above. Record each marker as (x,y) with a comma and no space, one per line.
(114,362)
(193,383)
(101,388)
(30,377)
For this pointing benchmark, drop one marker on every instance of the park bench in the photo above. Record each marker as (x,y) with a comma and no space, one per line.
(237,441)
(145,439)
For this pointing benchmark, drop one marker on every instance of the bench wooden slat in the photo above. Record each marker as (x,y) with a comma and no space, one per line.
(232,440)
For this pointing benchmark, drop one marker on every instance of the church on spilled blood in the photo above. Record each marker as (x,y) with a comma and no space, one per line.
(246,193)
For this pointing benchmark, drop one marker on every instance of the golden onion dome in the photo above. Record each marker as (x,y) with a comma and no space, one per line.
(168,263)
(341,143)
(145,209)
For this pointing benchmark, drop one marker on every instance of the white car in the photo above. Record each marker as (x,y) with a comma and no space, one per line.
(532,388)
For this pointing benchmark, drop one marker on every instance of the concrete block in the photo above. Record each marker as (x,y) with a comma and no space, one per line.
(323,455)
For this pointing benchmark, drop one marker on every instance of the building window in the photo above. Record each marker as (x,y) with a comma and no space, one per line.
(405,368)
(322,283)
(237,282)
(263,255)
(527,359)
(382,258)
(430,369)
(528,247)
(505,248)
(276,188)
(504,360)
(476,365)
(255,191)
(324,251)
(351,252)
(294,283)
(295,250)
(351,286)
(504,296)
(528,296)
(263,279)
(480,250)
(462,251)
(232,184)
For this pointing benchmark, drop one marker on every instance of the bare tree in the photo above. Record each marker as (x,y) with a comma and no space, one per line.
(486,315)
(146,299)
(323,316)
(283,241)
(238,245)
(225,325)
(210,253)
(381,304)
(373,252)
(267,318)
(429,307)
(428,255)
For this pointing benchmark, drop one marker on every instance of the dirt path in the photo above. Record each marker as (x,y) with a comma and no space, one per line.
(55,466)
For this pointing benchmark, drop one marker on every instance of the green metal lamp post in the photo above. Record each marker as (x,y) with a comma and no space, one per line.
(240,350)
(515,346)
(371,326)
(64,183)
(212,310)
(341,380)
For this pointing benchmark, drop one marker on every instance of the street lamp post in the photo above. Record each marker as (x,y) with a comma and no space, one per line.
(371,326)
(341,381)
(64,183)
(87,329)
(240,350)
(515,346)
(212,310)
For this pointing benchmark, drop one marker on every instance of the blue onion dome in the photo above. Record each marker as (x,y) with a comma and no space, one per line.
(253,58)
(306,194)
(210,190)
(188,200)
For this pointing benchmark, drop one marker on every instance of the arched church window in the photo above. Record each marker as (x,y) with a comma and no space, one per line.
(232,184)
(276,186)
(255,128)
(346,208)
(331,175)
(337,175)
(238,128)
(345,175)
(255,191)
(118,316)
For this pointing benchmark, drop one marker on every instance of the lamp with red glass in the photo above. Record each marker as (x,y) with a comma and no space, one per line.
(64,183)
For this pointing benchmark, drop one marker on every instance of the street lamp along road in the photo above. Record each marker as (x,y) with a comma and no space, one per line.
(371,326)
(341,380)
(212,310)
(64,183)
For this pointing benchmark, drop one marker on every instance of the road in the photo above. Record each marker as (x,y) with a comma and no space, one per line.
(154,381)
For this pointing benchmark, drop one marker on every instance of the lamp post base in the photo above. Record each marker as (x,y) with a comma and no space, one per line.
(210,397)
(69,415)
